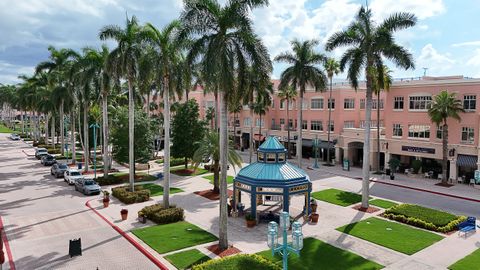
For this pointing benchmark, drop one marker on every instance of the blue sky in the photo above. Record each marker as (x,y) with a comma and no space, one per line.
(446,39)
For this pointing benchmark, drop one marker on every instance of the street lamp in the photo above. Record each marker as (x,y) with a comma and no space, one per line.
(315,148)
(285,248)
(94,126)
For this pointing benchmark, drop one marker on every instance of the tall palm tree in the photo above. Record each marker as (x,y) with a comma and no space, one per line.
(235,107)
(303,70)
(332,68)
(288,94)
(445,105)
(167,46)
(209,148)
(378,86)
(260,107)
(123,62)
(368,44)
(225,45)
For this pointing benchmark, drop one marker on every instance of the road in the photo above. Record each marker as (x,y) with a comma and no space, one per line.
(41,214)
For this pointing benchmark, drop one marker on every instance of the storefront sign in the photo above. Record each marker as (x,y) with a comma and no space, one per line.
(415,149)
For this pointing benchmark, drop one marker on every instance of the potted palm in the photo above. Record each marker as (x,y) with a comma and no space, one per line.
(124,213)
(313,205)
(106,198)
(314,218)
(251,221)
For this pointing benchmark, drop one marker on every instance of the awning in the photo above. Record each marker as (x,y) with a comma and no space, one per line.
(467,161)
(322,144)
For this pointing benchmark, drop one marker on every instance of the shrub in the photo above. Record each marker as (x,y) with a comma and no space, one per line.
(128,197)
(242,261)
(109,180)
(423,217)
(416,165)
(160,215)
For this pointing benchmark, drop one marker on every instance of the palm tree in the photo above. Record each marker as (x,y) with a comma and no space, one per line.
(302,72)
(209,148)
(332,68)
(123,62)
(369,43)
(445,105)
(378,86)
(167,58)
(288,94)
(260,107)
(210,116)
(225,45)
(235,107)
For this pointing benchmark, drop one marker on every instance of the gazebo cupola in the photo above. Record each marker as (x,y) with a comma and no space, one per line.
(272,176)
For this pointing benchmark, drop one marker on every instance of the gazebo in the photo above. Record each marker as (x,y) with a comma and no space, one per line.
(271,176)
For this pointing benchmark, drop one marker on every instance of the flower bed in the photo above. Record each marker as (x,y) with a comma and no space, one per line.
(242,261)
(423,217)
(128,197)
(160,215)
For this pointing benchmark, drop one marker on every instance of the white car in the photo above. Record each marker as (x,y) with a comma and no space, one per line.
(72,175)
(14,137)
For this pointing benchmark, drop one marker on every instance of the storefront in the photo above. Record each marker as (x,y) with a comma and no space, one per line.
(466,166)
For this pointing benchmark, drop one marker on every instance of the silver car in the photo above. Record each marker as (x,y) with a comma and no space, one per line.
(14,137)
(87,186)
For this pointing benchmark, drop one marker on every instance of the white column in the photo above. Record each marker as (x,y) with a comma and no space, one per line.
(337,155)
(453,170)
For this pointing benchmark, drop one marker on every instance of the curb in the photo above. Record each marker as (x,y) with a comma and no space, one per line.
(4,238)
(129,239)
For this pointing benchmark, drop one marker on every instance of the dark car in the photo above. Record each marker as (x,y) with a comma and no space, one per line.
(40,152)
(87,186)
(58,169)
(48,160)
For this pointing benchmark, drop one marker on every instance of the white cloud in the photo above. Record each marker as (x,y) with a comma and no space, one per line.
(468,43)
(9,72)
(423,9)
(437,63)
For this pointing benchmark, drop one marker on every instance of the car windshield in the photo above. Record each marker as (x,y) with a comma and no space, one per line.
(75,174)
(42,150)
(62,166)
(50,157)
(89,183)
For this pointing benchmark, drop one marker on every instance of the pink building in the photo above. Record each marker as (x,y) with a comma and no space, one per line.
(406,130)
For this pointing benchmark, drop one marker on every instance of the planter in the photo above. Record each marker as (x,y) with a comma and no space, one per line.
(314,218)
(106,203)
(142,219)
(392,176)
(251,223)
(314,207)
(124,214)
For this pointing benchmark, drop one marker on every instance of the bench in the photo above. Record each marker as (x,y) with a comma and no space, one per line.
(467,226)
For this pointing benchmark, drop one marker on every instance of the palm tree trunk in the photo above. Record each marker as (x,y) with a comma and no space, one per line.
(250,150)
(378,132)
(366,145)
(23,121)
(148,104)
(235,130)
(46,127)
(299,129)
(216,177)
(166,149)
(105,137)
(62,129)
(328,124)
(215,94)
(53,131)
(260,128)
(444,152)
(131,139)
(86,150)
(223,231)
(72,139)
(288,132)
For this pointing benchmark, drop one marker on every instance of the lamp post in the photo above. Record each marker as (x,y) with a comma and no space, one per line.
(94,126)
(285,248)
(315,148)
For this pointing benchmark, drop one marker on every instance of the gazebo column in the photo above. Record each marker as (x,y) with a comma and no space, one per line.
(253,202)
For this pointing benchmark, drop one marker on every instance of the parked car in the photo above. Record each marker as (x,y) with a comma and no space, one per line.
(14,137)
(48,160)
(72,175)
(87,186)
(58,169)
(40,152)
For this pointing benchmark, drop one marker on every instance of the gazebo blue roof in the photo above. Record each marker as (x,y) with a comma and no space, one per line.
(271,145)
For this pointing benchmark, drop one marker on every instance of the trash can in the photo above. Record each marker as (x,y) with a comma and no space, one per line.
(79,165)
(392,176)
(387,171)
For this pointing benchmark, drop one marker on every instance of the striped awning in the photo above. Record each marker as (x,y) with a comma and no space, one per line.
(467,161)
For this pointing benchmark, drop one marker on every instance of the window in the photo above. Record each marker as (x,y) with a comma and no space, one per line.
(419,131)
(281,157)
(397,130)
(375,102)
(304,104)
(362,104)
(304,124)
(246,121)
(209,104)
(349,124)
(468,135)
(316,125)
(331,103)
(373,123)
(316,103)
(282,104)
(282,121)
(273,122)
(291,105)
(398,103)
(469,102)
(261,156)
(272,104)
(271,157)
(290,123)
(439,132)
(257,122)
(420,103)
(349,103)
(331,126)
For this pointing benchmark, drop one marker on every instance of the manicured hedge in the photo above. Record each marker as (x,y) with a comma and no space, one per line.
(423,217)
(238,262)
(173,161)
(128,197)
(119,178)
(160,215)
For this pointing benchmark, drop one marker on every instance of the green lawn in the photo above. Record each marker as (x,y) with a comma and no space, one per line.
(396,236)
(156,190)
(4,129)
(470,262)
(320,255)
(181,171)
(338,197)
(173,236)
(185,259)
(383,203)
(210,177)
(438,218)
